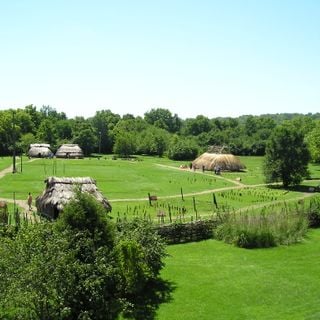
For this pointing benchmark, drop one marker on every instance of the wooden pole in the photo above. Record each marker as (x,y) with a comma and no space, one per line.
(194,207)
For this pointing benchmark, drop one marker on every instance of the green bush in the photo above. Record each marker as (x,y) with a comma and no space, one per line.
(78,267)
(187,232)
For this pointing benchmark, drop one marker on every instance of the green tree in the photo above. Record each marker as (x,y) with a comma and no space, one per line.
(104,123)
(125,144)
(182,149)
(313,140)
(25,142)
(196,126)
(86,139)
(162,118)
(153,141)
(46,132)
(79,267)
(287,156)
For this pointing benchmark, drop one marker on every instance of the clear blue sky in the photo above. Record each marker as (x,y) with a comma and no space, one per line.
(214,57)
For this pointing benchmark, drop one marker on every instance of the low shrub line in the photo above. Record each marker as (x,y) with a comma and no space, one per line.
(271,226)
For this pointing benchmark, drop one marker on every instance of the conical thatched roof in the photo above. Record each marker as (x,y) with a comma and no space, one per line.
(59,191)
(69,151)
(40,150)
(212,161)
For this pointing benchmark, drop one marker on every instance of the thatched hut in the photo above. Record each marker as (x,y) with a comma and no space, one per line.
(214,161)
(69,151)
(40,150)
(59,191)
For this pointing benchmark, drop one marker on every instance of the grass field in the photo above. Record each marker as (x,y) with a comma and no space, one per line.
(210,279)
(5,162)
(126,183)
(213,280)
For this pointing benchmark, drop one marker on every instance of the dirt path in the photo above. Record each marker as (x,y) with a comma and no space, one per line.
(5,171)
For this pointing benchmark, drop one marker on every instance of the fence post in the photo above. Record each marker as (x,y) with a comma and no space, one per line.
(194,207)
(181,194)
(214,201)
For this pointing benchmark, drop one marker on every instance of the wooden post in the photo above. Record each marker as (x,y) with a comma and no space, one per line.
(149,196)
(182,194)
(194,207)
(214,201)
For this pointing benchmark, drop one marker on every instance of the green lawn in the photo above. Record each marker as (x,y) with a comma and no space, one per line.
(5,162)
(126,184)
(214,280)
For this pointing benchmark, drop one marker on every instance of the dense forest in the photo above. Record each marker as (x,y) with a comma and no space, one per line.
(159,132)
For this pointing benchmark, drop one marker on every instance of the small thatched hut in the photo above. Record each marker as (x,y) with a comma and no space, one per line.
(59,191)
(40,150)
(69,151)
(214,161)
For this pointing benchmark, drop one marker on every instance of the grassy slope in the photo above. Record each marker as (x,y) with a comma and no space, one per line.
(218,281)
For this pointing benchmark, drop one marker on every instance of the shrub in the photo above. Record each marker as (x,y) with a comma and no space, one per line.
(187,232)
(78,267)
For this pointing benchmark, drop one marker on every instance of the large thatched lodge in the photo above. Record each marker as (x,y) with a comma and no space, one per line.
(70,151)
(59,191)
(215,161)
(40,150)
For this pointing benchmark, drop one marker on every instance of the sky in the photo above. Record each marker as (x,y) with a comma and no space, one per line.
(194,57)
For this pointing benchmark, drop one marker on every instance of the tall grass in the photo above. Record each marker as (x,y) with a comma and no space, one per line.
(267,228)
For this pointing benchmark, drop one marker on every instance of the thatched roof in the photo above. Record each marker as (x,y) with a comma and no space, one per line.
(59,191)
(69,151)
(40,150)
(212,161)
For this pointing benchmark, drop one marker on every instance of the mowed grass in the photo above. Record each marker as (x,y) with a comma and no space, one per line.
(126,183)
(5,162)
(252,175)
(214,280)
(117,179)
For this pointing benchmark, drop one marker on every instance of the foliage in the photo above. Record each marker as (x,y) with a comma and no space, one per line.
(182,149)
(162,118)
(25,141)
(144,233)
(245,135)
(77,267)
(313,140)
(104,123)
(125,144)
(287,156)
(153,141)
(187,232)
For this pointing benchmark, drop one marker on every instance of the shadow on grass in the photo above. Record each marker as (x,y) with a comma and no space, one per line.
(303,188)
(299,188)
(145,306)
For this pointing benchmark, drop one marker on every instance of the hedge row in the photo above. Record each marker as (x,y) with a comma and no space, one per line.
(187,232)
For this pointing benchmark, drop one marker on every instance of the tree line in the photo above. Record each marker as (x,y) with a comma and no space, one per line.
(158,132)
